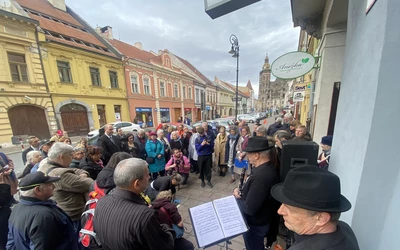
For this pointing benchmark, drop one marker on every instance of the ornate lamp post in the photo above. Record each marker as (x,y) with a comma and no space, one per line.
(235,54)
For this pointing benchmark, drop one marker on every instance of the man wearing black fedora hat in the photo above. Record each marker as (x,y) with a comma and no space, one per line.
(311,207)
(36,222)
(255,200)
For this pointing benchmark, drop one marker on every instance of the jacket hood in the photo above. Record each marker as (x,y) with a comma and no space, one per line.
(105,179)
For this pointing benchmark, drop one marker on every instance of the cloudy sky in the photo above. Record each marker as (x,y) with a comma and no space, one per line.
(183,27)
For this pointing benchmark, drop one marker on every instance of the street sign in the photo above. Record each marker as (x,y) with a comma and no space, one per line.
(239,99)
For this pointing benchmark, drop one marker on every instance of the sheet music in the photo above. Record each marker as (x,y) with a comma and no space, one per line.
(206,224)
(230,217)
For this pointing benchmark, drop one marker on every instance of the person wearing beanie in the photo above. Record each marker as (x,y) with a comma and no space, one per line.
(324,157)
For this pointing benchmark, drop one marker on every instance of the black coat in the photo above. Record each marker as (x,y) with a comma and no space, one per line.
(343,238)
(142,147)
(109,148)
(275,127)
(256,203)
(5,211)
(227,148)
(25,152)
(164,183)
(41,224)
(74,164)
(91,167)
(27,170)
(132,151)
(124,221)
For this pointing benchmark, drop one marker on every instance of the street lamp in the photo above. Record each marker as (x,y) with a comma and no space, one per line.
(235,54)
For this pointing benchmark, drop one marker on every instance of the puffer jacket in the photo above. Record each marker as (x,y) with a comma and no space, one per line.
(71,191)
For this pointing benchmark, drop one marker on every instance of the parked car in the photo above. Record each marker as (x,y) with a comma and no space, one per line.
(211,123)
(247,118)
(224,122)
(126,127)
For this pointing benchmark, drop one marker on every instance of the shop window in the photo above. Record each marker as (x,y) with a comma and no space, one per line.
(18,67)
(64,71)
(165,115)
(144,117)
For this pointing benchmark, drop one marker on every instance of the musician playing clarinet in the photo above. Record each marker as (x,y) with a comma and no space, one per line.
(255,200)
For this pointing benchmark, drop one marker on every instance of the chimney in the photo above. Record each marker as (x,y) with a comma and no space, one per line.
(160,52)
(105,32)
(138,45)
(59,4)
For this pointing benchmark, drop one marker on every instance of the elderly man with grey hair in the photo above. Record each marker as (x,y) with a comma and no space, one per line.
(70,192)
(287,118)
(141,139)
(261,131)
(277,125)
(124,220)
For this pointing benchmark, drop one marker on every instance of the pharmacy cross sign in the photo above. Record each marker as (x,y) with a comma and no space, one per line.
(293,65)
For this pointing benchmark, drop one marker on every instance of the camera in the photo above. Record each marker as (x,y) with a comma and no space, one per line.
(177,162)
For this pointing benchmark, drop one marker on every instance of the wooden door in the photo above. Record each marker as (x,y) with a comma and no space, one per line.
(101,110)
(178,113)
(29,120)
(74,119)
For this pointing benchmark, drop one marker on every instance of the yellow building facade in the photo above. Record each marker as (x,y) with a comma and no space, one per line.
(25,104)
(80,104)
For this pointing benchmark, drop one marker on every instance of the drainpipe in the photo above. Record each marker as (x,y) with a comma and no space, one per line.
(45,78)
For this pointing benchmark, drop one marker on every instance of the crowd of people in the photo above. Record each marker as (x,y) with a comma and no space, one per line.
(140,175)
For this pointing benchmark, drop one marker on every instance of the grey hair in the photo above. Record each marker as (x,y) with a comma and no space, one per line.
(58,149)
(278,120)
(288,115)
(28,193)
(282,134)
(174,133)
(31,154)
(177,177)
(129,170)
(261,129)
(160,131)
(141,131)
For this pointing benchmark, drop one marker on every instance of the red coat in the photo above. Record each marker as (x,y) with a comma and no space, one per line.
(171,210)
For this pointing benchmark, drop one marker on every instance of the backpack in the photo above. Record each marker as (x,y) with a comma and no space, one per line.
(87,236)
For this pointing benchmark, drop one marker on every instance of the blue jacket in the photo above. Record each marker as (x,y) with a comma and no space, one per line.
(206,149)
(40,225)
(153,149)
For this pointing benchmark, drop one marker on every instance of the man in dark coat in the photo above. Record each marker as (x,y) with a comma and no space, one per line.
(33,145)
(37,222)
(141,140)
(109,143)
(275,127)
(123,219)
(311,207)
(255,200)
(5,210)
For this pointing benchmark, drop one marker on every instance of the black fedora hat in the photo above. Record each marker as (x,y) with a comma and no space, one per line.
(311,188)
(257,144)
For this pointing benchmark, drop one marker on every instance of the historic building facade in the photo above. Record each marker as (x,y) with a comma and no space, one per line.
(85,77)
(25,103)
(272,94)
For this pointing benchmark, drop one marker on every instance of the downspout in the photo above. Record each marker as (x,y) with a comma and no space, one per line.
(45,79)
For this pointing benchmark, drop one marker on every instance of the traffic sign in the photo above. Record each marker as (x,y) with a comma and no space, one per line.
(234,99)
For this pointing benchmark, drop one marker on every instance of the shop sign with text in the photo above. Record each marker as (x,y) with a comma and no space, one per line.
(293,65)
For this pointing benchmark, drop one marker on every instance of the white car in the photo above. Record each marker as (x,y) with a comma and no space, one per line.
(126,127)
(247,118)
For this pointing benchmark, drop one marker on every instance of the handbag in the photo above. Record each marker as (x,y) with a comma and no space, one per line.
(179,231)
(150,160)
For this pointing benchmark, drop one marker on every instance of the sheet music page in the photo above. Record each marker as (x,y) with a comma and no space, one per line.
(206,224)
(230,217)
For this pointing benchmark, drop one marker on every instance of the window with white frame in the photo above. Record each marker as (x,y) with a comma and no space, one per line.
(146,86)
(184,92)
(176,92)
(197,97)
(162,88)
(190,93)
(134,84)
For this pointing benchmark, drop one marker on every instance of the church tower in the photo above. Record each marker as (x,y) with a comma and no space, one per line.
(265,82)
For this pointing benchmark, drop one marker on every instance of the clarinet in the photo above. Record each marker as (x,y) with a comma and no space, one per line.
(241,180)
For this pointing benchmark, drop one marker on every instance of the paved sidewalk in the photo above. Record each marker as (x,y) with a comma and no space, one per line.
(192,195)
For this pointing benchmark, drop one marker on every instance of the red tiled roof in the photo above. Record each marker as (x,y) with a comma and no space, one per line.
(191,67)
(131,51)
(79,46)
(157,60)
(62,29)
(43,6)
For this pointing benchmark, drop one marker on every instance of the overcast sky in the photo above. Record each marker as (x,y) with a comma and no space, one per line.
(183,27)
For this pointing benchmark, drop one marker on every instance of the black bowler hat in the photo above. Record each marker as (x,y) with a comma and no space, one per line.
(45,142)
(257,144)
(35,179)
(311,188)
